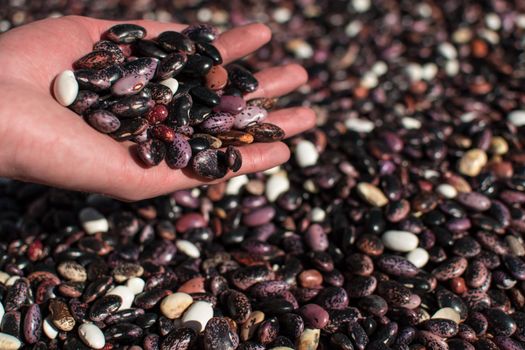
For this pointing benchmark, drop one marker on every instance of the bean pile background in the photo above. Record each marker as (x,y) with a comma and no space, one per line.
(404,204)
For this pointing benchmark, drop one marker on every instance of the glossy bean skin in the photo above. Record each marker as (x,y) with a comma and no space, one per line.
(125,33)
(217,123)
(178,152)
(242,78)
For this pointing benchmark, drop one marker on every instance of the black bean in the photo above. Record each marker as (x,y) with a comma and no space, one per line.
(104,307)
(148,48)
(125,33)
(174,41)
(242,78)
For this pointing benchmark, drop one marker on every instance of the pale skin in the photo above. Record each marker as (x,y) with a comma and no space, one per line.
(44,142)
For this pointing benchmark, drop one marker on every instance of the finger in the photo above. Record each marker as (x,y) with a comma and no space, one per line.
(293,120)
(261,156)
(241,41)
(232,44)
(162,179)
(278,81)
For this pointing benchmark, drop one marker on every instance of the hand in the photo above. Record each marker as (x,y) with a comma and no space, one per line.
(43,142)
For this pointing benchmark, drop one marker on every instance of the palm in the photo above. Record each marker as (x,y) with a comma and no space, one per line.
(48,143)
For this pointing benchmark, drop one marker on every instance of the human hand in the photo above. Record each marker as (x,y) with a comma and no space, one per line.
(43,142)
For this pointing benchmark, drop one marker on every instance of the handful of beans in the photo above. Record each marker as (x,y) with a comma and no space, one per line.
(171,96)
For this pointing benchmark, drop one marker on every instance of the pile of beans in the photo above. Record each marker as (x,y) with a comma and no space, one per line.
(126,88)
(397,224)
